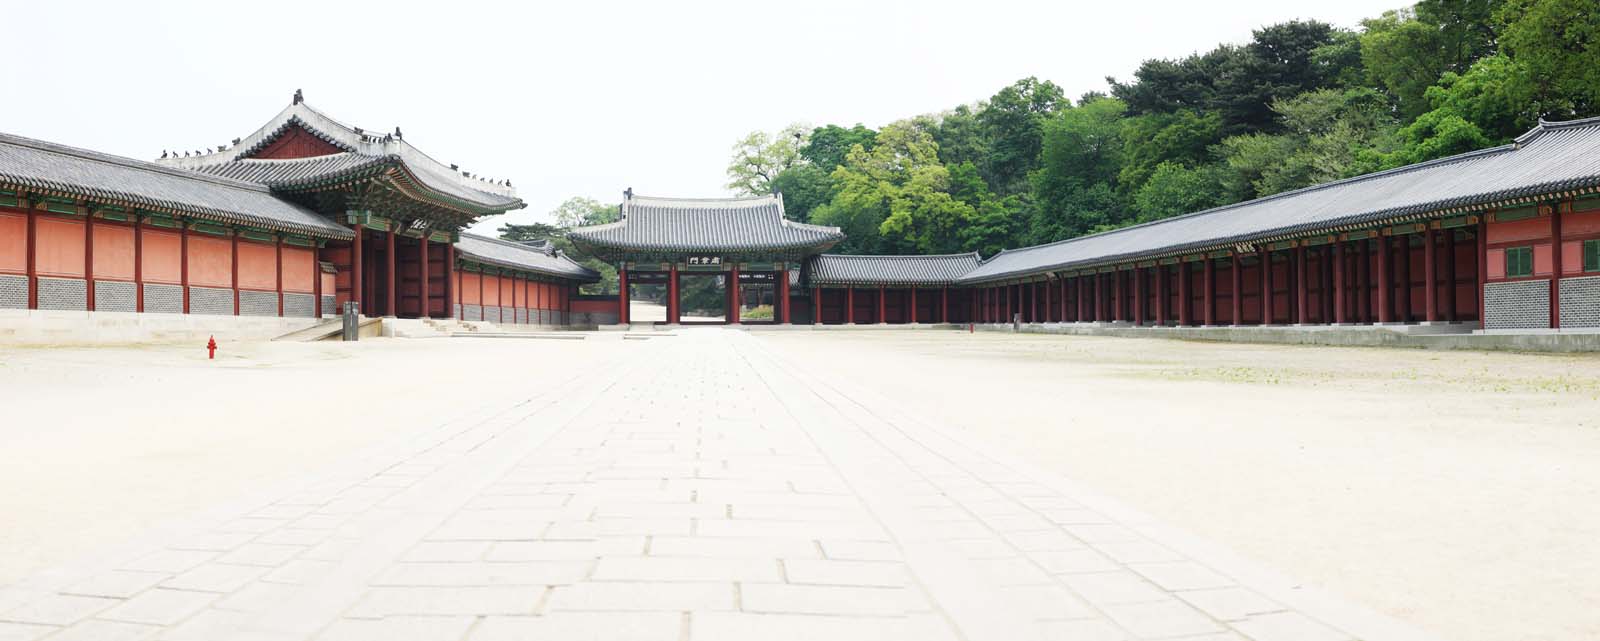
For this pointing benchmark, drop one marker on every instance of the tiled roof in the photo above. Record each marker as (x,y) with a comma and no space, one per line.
(838,269)
(374,147)
(80,173)
(542,260)
(673,225)
(1552,158)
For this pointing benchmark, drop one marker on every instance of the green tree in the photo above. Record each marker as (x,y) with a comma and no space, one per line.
(758,158)
(896,196)
(1174,189)
(1280,62)
(828,145)
(1013,123)
(1557,44)
(1075,185)
(961,137)
(804,187)
(531,232)
(579,212)
(1184,137)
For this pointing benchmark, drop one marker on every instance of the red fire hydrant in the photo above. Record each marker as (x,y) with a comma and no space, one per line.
(211,348)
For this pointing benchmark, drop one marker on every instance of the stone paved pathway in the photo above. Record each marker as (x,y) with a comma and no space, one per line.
(701,489)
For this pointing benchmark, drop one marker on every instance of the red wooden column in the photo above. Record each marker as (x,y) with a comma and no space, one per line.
(277,246)
(1555,265)
(1450,274)
(1339,316)
(1238,290)
(1063,294)
(425,289)
(674,311)
(391,306)
(913,297)
(1086,298)
(1138,295)
(138,263)
(882,319)
(1161,294)
(88,261)
(1302,306)
(850,305)
(1209,293)
(733,296)
(1185,298)
(1364,282)
(1099,297)
(1402,265)
(783,296)
(1430,274)
(1483,267)
(1385,279)
(355,272)
(1266,286)
(622,295)
(33,260)
(816,305)
(316,281)
(450,284)
(235,271)
(1033,302)
(944,304)
(183,263)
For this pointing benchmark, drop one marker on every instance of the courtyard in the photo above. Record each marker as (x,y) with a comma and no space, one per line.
(724,484)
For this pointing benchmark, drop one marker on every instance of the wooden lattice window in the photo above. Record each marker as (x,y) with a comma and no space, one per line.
(1591,255)
(1519,262)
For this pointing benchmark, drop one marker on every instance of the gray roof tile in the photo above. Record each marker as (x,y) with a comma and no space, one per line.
(69,171)
(542,259)
(675,225)
(1552,158)
(372,146)
(839,269)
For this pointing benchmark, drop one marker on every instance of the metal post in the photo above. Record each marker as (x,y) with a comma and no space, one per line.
(352,321)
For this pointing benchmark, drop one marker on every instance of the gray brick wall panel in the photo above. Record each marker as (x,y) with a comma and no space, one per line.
(115,296)
(254,303)
(299,305)
(211,301)
(13,291)
(163,299)
(1580,302)
(1523,304)
(71,294)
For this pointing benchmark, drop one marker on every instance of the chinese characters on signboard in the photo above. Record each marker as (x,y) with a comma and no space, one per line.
(705,260)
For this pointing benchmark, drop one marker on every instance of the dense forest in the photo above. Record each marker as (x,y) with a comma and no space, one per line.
(1302,103)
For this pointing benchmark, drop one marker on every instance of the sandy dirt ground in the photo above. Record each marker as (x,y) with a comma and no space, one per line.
(99,444)
(1452,490)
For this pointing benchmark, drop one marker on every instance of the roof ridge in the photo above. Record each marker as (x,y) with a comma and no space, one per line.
(900,256)
(750,199)
(130,163)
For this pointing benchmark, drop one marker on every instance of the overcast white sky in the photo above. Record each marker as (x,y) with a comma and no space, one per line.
(572,98)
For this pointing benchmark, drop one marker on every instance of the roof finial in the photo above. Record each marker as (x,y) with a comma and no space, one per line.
(163,153)
(298,97)
(627,194)
(397,133)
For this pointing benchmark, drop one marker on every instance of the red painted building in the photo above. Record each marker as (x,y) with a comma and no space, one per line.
(293,220)
(1506,239)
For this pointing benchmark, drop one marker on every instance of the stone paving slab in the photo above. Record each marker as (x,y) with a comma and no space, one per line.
(702,489)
